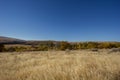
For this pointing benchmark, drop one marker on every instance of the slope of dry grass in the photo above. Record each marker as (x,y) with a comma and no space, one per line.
(58,65)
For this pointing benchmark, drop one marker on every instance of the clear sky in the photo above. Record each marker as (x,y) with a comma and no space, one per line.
(71,20)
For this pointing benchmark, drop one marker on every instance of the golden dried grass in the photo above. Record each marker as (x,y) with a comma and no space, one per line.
(57,65)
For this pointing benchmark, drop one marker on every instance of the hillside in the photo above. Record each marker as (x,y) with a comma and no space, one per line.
(9,40)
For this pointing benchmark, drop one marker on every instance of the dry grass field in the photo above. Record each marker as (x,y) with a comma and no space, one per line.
(60,65)
(16,45)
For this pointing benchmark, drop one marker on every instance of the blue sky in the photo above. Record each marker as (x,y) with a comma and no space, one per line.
(71,20)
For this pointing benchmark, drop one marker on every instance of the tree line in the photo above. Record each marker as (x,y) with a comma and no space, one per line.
(60,45)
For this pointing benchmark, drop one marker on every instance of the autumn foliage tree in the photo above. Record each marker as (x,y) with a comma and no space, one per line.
(61,45)
(65,45)
(91,45)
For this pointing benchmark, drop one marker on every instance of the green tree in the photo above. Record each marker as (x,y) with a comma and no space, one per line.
(2,48)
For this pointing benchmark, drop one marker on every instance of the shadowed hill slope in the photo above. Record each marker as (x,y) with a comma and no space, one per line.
(8,40)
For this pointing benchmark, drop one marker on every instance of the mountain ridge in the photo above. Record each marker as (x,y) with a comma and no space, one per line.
(7,40)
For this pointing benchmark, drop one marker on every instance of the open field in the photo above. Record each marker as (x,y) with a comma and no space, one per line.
(60,65)
(16,45)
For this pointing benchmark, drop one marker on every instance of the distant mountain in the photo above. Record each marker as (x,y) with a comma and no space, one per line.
(9,40)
